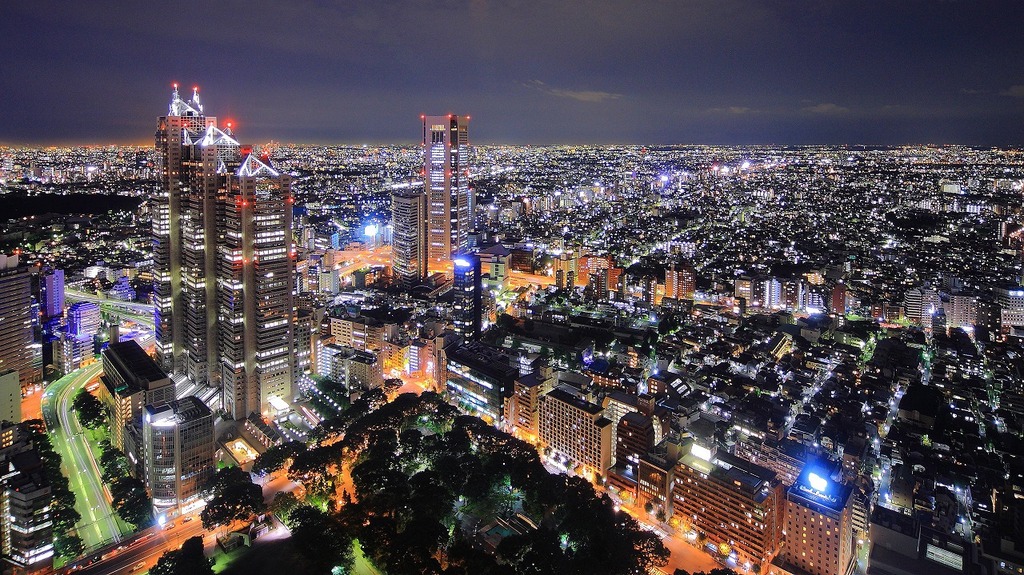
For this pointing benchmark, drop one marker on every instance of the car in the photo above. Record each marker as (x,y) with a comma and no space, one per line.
(187,519)
(169,525)
(139,566)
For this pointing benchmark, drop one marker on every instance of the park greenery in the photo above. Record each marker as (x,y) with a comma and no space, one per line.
(420,489)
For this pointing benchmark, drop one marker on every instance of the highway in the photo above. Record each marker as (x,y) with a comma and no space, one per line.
(140,313)
(97,525)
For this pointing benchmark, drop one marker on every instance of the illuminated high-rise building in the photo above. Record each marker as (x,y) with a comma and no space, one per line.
(445,177)
(680,281)
(409,241)
(818,527)
(468,289)
(51,293)
(16,339)
(223,262)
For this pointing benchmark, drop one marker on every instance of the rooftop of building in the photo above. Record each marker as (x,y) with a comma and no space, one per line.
(182,410)
(484,358)
(563,395)
(130,358)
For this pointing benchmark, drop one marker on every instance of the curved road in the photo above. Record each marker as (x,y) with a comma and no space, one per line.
(97,525)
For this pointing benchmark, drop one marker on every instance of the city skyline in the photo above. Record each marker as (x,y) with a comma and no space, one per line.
(605,72)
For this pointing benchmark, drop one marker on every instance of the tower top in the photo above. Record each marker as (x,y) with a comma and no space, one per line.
(180,107)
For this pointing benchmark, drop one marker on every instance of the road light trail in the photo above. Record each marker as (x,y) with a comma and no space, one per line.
(97,524)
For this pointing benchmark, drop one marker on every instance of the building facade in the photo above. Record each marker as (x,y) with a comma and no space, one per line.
(16,339)
(178,443)
(818,526)
(578,433)
(446,183)
(735,505)
(409,239)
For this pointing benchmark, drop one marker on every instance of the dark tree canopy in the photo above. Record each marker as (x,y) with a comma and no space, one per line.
(233,497)
(89,409)
(189,560)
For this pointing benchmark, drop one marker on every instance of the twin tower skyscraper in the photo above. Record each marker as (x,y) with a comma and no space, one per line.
(223,262)
(432,225)
(224,258)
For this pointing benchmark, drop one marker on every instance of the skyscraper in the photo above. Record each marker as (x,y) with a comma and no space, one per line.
(409,242)
(468,290)
(255,269)
(222,252)
(51,296)
(445,176)
(16,320)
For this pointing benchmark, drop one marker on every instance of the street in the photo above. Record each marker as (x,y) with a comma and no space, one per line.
(97,525)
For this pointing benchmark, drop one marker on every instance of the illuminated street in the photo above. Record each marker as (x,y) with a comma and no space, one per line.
(97,525)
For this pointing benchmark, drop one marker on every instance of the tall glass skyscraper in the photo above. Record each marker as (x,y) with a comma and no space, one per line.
(446,184)
(223,267)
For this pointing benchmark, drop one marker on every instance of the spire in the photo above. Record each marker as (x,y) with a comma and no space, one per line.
(195,99)
(179,107)
(175,99)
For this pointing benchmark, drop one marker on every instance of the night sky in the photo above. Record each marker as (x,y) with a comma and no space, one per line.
(539,72)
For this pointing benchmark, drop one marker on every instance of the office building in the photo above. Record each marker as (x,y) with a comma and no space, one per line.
(523,410)
(362,333)
(51,293)
(409,242)
(1011,306)
(356,369)
(84,320)
(26,523)
(576,430)
(467,288)
(818,526)
(479,379)
(446,183)
(16,339)
(737,506)
(178,444)
(10,396)
(130,381)
(223,262)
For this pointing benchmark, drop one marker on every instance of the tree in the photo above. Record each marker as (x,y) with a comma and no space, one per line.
(89,409)
(277,457)
(67,545)
(131,501)
(282,506)
(189,560)
(233,497)
(321,539)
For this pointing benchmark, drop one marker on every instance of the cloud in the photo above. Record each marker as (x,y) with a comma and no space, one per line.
(827,109)
(734,110)
(580,95)
(1016,91)
(972,92)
